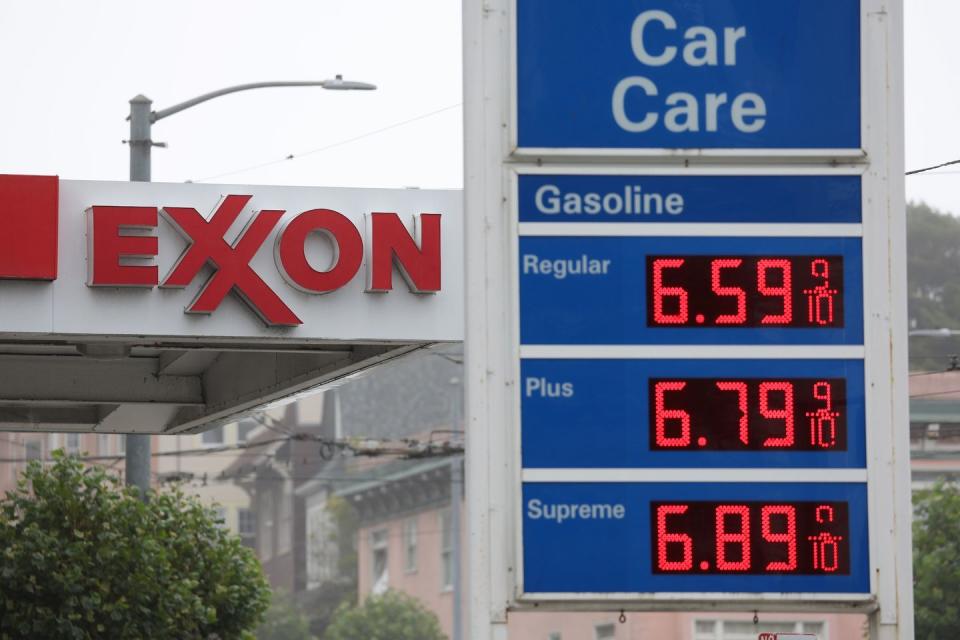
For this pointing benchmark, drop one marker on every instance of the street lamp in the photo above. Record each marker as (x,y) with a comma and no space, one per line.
(141,120)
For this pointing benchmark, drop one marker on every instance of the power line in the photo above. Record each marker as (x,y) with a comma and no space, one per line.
(935,393)
(359,447)
(217,478)
(274,425)
(936,166)
(296,156)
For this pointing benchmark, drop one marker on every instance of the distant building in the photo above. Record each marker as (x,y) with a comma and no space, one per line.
(19,447)
(934,426)
(280,455)
(199,462)
(407,538)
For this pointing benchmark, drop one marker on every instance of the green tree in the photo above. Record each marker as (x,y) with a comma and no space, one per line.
(391,616)
(284,621)
(933,284)
(936,561)
(82,557)
(933,265)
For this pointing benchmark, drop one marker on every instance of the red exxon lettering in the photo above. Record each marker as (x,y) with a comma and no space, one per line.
(232,262)
(391,244)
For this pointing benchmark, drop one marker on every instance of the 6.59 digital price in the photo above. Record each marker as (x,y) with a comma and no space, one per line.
(745,291)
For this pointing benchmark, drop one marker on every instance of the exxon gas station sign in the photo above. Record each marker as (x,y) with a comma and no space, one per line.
(209,260)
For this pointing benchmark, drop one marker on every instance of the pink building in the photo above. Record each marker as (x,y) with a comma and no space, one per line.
(408,537)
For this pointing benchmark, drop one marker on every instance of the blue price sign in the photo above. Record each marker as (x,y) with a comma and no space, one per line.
(739,74)
(690,290)
(695,537)
(627,413)
(692,465)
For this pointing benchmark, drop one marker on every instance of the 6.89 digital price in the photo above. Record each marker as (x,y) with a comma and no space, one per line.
(751,537)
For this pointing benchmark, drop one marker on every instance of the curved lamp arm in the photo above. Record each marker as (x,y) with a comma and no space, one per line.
(337,84)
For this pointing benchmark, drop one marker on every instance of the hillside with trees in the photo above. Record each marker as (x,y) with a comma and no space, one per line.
(933,276)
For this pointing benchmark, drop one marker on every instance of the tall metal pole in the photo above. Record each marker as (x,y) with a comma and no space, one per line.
(138,445)
(456,525)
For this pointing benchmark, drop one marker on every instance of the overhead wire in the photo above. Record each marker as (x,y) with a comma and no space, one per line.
(339,143)
(943,392)
(358,447)
(936,166)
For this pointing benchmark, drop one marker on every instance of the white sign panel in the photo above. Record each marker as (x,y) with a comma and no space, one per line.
(145,307)
(276,263)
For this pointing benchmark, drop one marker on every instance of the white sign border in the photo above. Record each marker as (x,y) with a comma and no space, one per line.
(491,155)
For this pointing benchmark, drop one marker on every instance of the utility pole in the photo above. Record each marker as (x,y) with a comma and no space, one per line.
(138,444)
(456,525)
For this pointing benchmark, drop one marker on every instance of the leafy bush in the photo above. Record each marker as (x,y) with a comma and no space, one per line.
(391,616)
(936,562)
(82,557)
(284,621)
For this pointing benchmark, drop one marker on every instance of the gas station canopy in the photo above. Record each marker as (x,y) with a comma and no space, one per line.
(170,308)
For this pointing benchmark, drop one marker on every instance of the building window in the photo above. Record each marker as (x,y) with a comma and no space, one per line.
(213,437)
(103,443)
(244,428)
(322,549)
(267,509)
(220,516)
(378,551)
(604,632)
(34,449)
(554,635)
(122,444)
(285,518)
(446,548)
(73,443)
(410,544)
(746,630)
(246,523)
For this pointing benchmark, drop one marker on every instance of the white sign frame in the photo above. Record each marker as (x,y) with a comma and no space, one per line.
(493,162)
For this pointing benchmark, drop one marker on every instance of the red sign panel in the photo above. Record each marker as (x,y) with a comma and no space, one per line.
(28,227)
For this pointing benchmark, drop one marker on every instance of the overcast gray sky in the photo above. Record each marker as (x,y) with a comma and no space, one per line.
(70,67)
(933,100)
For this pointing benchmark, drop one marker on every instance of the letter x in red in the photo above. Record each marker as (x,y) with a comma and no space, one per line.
(232,262)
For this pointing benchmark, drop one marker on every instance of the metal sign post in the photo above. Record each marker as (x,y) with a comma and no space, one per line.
(686,346)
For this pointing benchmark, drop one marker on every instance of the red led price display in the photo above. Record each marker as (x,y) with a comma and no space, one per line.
(751,537)
(745,291)
(748,414)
